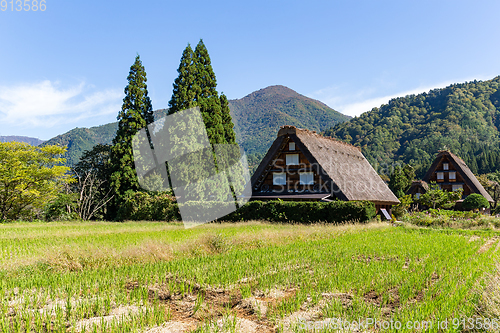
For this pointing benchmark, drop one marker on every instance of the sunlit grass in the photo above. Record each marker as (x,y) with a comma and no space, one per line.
(116,277)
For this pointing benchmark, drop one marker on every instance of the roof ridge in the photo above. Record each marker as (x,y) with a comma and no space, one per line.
(296,129)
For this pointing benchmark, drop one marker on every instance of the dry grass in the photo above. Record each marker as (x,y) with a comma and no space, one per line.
(73,247)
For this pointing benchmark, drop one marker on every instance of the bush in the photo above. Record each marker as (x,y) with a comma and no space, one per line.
(475,201)
(145,206)
(148,206)
(63,208)
(304,211)
(401,209)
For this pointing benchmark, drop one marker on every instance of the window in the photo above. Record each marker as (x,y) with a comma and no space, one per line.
(445,166)
(453,175)
(440,175)
(291,146)
(292,159)
(456,187)
(306,178)
(279,178)
(417,195)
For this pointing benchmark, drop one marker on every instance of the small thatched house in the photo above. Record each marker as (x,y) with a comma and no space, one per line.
(451,173)
(417,188)
(303,165)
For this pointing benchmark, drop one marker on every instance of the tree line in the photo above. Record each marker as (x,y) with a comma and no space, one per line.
(463,118)
(34,184)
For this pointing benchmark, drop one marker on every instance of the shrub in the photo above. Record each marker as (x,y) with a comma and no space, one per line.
(161,207)
(63,207)
(304,211)
(475,201)
(148,206)
(402,208)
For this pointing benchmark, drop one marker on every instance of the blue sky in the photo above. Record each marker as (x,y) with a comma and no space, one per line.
(67,66)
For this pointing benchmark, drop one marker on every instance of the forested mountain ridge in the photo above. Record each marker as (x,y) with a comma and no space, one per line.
(26,139)
(260,114)
(80,139)
(463,118)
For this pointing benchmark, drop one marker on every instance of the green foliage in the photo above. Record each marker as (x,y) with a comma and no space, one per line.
(304,212)
(401,180)
(435,197)
(136,114)
(463,118)
(161,207)
(92,188)
(475,201)
(402,208)
(95,160)
(63,208)
(79,140)
(260,115)
(196,86)
(227,121)
(492,185)
(30,177)
(148,206)
(451,219)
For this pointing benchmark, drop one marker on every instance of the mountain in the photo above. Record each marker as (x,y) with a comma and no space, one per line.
(27,139)
(463,118)
(258,115)
(78,140)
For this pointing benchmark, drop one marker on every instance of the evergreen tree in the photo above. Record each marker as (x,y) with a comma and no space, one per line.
(196,86)
(185,89)
(398,182)
(206,82)
(401,179)
(136,113)
(227,121)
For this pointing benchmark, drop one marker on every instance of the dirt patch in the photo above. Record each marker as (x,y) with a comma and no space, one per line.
(473,238)
(368,258)
(310,316)
(486,246)
(387,304)
(221,308)
(171,327)
(115,315)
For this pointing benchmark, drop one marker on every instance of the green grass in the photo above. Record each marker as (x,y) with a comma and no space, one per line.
(55,276)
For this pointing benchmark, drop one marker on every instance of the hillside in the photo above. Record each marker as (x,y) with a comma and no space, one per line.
(260,115)
(79,140)
(27,139)
(463,118)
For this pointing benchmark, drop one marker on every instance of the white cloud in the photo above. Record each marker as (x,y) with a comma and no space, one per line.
(46,104)
(359,102)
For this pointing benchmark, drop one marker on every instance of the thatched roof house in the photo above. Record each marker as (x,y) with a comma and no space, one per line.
(303,165)
(451,173)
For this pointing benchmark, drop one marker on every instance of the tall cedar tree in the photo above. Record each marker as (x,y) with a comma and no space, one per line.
(136,113)
(183,95)
(196,86)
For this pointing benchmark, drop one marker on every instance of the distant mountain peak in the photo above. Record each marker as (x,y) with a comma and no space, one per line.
(259,116)
(274,90)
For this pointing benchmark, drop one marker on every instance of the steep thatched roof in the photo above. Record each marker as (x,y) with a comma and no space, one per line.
(342,165)
(463,169)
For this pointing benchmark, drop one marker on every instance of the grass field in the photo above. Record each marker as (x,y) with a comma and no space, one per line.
(246,277)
